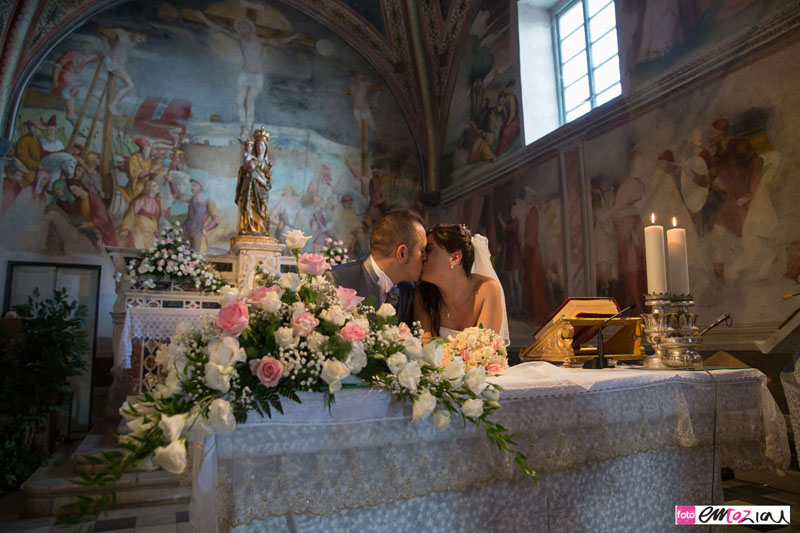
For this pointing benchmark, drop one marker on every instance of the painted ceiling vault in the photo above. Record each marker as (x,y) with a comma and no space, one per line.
(413,46)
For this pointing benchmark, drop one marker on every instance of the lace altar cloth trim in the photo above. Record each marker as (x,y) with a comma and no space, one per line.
(154,323)
(365,452)
(575,500)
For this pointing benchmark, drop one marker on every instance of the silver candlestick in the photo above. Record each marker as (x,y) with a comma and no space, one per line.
(671,328)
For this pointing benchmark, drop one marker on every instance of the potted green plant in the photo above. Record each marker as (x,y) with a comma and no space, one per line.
(34,380)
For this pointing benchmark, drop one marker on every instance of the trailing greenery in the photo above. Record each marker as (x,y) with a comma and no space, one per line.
(34,380)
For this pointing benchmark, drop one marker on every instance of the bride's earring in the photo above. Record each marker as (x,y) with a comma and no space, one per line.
(452,265)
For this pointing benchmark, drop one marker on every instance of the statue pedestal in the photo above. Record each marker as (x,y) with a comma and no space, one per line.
(252,251)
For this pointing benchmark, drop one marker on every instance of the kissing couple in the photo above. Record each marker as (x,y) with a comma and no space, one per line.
(442,277)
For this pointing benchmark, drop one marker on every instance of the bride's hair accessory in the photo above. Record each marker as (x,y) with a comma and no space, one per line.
(465,231)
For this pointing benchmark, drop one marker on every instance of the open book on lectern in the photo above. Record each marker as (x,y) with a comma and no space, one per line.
(570,332)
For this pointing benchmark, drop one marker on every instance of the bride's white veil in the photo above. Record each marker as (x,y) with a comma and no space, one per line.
(483,266)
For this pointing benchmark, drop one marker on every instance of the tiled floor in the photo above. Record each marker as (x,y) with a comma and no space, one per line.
(175,518)
(743,493)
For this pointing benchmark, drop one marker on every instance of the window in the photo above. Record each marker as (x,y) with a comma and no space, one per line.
(588,76)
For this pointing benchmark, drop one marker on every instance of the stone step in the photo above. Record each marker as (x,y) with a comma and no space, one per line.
(51,486)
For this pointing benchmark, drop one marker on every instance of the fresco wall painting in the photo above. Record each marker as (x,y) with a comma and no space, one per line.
(136,120)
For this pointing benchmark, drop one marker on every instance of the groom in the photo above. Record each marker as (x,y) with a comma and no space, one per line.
(397,249)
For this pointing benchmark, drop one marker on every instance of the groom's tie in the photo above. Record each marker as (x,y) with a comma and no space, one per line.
(393,296)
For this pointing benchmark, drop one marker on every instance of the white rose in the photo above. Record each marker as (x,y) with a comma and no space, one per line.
(491,394)
(362,322)
(216,379)
(220,417)
(333,372)
(162,355)
(335,315)
(228,294)
(386,310)
(316,341)
(139,426)
(432,353)
(453,370)
(397,362)
(441,419)
(472,408)
(172,457)
(410,375)
(271,302)
(357,359)
(291,282)
(475,380)
(424,405)
(391,334)
(295,239)
(225,351)
(182,328)
(298,307)
(172,426)
(414,352)
(284,336)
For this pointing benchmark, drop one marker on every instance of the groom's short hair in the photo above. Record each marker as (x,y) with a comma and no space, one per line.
(393,229)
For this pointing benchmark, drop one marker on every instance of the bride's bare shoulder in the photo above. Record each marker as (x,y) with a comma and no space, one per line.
(486,286)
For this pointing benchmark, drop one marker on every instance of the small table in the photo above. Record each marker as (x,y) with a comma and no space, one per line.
(614,449)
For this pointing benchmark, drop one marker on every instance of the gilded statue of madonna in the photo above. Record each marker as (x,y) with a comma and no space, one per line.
(253,185)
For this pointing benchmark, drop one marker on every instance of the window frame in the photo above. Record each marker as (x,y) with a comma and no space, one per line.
(559,9)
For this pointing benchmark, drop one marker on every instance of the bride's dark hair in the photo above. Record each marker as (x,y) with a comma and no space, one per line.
(453,238)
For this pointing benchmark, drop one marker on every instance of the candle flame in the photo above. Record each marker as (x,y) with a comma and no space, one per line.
(652,218)
(674,222)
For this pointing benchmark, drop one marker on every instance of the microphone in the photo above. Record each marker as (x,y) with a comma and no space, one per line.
(600,361)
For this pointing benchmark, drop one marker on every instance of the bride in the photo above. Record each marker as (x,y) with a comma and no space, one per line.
(458,288)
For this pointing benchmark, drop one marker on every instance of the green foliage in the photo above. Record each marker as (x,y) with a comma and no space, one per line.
(35,376)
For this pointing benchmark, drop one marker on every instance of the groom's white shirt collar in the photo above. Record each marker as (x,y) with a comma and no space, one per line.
(384,281)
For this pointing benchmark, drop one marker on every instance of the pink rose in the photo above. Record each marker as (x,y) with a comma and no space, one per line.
(303,323)
(348,297)
(256,295)
(313,264)
(352,332)
(493,368)
(269,371)
(464,355)
(259,293)
(404,331)
(233,318)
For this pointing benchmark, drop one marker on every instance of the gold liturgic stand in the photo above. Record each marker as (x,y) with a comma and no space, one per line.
(567,340)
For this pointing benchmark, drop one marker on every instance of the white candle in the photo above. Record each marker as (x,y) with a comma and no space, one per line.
(678,260)
(654,257)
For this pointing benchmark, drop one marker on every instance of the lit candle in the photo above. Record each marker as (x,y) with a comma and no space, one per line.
(654,257)
(678,259)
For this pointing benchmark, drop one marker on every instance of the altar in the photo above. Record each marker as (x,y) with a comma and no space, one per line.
(614,449)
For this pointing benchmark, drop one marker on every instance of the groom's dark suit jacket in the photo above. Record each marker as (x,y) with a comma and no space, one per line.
(359,275)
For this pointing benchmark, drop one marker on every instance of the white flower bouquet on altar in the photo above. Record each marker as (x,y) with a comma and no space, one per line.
(171,258)
(477,347)
(296,333)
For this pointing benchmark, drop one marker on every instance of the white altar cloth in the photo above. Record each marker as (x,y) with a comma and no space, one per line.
(154,323)
(615,449)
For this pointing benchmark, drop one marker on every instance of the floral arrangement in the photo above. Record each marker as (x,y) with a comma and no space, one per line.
(477,347)
(299,333)
(171,257)
(335,252)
